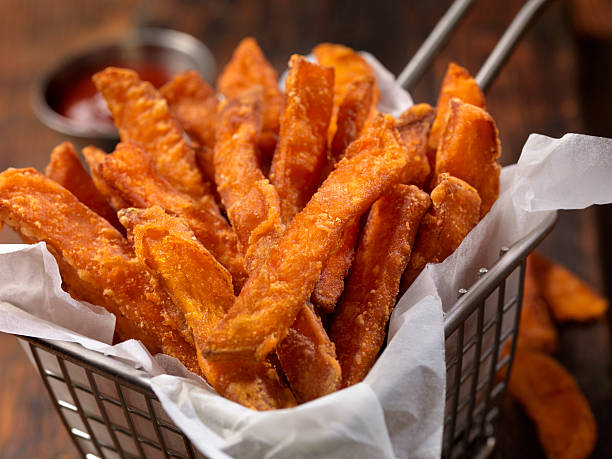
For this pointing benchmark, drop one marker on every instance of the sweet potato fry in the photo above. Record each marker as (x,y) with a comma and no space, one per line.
(301,151)
(359,325)
(469,150)
(454,212)
(95,158)
(352,115)
(253,208)
(460,84)
(251,202)
(142,116)
(536,331)
(550,396)
(275,293)
(330,285)
(66,169)
(414,125)
(249,68)
(308,357)
(131,173)
(95,260)
(203,290)
(567,296)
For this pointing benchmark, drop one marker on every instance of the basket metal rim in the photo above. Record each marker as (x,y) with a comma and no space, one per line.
(139,379)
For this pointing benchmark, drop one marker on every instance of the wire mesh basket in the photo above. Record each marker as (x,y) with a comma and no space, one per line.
(110,410)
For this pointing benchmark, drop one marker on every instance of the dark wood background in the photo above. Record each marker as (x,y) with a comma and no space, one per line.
(557,81)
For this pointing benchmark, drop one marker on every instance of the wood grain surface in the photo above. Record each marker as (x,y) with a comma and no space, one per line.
(557,81)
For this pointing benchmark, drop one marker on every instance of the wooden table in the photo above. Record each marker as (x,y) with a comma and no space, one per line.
(556,82)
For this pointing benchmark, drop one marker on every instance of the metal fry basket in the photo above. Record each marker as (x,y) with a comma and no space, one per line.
(110,410)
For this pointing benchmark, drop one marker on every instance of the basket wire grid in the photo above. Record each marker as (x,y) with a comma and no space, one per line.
(111,411)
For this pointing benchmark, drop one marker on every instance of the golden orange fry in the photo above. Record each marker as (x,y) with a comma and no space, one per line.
(469,150)
(414,125)
(142,116)
(568,297)
(249,68)
(301,151)
(536,330)
(95,260)
(202,288)
(253,208)
(352,115)
(66,169)
(460,84)
(251,202)
(130,172)
(268,304)
(330,285)
(308,357)
(454,212)
(95,158)
(359,326)
(552,399)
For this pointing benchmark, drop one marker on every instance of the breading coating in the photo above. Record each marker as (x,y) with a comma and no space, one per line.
(96,262)
(457,83)
(66,169)
(131,173)
(414,125)
(454,212)
(301,151)
(94,157)
(268,304)
(536,330)
(142,116)
(247,69)
(552,399)
(202,288)
(330,285)
(253,208)
(568,297)
(470,150)
(359,325)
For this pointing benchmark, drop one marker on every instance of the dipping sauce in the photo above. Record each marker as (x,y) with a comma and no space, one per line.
(80,101)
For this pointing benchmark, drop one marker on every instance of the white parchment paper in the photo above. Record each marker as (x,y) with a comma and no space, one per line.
(398,410)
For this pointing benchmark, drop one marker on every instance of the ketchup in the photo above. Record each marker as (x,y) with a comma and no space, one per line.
(81,102)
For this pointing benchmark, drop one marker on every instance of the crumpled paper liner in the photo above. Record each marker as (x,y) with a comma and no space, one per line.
(398,410)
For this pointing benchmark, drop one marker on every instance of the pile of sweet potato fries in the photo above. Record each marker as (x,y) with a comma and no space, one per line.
(262,238)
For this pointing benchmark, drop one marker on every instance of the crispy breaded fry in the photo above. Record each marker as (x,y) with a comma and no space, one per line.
(95,158)
(194,104)
(414,125)
(142,116)
(331,282)
(359,326)
(308,357)
(454,212)
(536,330)
(95,260)
(460,84)
(469,150)
(352,115)
(567,296)
(131,173)
(274,294)
(301,151)
(552,399)
(253,207)
(251,202)
(203,290)
(249,68)
(66,169)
